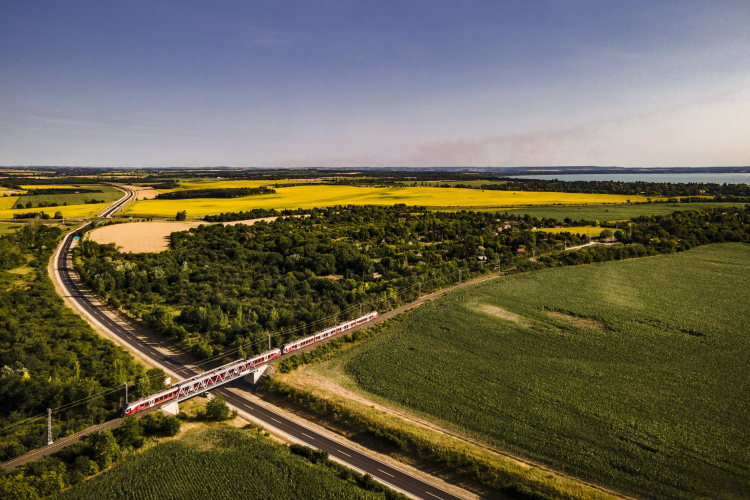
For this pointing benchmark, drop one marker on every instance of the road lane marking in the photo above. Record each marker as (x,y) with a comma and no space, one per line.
(274,419)
(306,435)
(384,472)
(433,495)
(344,453)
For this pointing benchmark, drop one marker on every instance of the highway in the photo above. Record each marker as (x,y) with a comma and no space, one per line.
(271,419)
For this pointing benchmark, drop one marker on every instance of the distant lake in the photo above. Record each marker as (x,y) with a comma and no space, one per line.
(718,178)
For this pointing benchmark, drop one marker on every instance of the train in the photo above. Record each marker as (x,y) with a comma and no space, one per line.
(244,364)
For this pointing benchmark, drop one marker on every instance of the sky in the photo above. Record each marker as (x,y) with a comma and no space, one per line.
(381,83)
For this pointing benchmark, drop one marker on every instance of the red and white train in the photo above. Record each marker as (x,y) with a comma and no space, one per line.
(208,380)
(328,333)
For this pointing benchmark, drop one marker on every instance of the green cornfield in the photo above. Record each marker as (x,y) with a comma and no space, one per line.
(220,463)
(634,374)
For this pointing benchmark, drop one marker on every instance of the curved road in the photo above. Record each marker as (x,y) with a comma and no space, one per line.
(350,456)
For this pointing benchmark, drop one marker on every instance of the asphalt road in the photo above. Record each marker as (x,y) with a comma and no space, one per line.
(352,457)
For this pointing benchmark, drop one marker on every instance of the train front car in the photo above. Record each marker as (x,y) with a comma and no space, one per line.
(146,403)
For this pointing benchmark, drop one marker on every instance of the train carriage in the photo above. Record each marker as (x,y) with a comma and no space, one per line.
(240,366)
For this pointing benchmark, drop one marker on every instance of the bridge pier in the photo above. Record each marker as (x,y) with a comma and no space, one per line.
(254,377)
(172,408)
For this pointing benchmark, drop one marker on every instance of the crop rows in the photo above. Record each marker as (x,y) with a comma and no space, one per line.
(638,379)
(220,464)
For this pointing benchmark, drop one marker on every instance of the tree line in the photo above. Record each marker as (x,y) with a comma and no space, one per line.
(214,193)
(665,189)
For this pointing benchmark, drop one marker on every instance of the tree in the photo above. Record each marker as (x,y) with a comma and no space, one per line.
(129,433)
(202,350)
(182,215)
(170,425)
(156,377)
(104,447)
(18,487)
(217,409)
(58,215)
(49,483)
(85,466)
(605,234)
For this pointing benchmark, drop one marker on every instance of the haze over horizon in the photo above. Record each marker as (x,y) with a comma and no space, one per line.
(280,84)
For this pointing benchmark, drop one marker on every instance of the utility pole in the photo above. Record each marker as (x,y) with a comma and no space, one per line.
(49,426)
(361,305)
(533,254)
(269,341)
(420,289)
(126,393)
(459,276)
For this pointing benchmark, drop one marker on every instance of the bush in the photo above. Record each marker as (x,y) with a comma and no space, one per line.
(387,437)
(182,215)
(156,423)
(85,466)
(129,433)
(104,447)
(202,350)
(314,456)
(170,425)
(217,409)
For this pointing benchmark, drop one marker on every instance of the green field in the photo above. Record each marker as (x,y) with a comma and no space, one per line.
(633,373)
(614,212)
(220,463)
(108,194)
(8,228)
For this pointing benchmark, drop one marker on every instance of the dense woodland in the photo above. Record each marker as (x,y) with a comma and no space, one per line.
(255,213)
(222,287)
(49,356)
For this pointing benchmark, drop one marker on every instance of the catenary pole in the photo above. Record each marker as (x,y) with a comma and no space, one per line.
(49,426)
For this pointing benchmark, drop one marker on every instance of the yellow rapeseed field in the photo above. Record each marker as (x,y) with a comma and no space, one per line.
(324,196)
(585,230)
(214,184)
(9,201)
(75,211)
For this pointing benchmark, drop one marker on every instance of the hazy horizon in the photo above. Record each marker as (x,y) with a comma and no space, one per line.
(354,84)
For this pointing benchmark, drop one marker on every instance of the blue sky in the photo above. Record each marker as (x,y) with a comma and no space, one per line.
(413,83)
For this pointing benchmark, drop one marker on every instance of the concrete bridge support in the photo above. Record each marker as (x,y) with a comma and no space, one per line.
(172,408)
(254,378)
